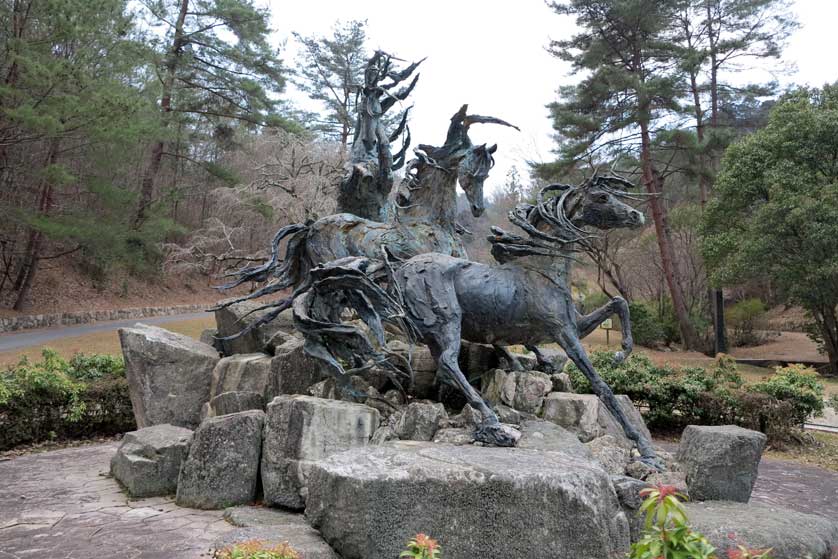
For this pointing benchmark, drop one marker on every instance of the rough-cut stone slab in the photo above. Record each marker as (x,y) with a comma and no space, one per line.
(790,534)
(720,462)
(476,359)
(234,402)
(248,372)
(420,421)
(273,526)
(294,372)
(235,318)
(587,417)
(148,460)
(300,429)
(610,453)
(477,501)
(223,464)
(549,437)
(169,375)
(628,493)
(522,390)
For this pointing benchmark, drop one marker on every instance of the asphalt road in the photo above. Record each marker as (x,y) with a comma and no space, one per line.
(29,338)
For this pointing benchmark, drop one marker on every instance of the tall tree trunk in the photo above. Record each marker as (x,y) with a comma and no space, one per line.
(718,299)
(827,322)
(33,252)
(689,336)
(147,184)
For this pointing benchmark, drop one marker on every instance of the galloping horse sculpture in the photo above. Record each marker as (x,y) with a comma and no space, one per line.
(441,299)
(422,219)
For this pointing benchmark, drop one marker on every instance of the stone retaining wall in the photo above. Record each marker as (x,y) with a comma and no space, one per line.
(85,317)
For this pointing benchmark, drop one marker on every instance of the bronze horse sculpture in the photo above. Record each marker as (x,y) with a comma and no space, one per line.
(440,299)
(422,219)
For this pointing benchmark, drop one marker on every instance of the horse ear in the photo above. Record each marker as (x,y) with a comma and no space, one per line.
(493,148)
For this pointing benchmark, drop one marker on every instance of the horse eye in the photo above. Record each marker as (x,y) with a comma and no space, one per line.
(603,198)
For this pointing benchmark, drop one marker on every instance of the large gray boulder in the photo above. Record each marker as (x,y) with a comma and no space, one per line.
(420,421)
(274,527)
(234,402)
(294,372)
(587,417)
(302,429)
(169,375)
(477,501)
(522,390)
(222,467)
(544,436)
(148,460)
(247,372)
(423,365)
(790,534)
(235,318)
(721,462)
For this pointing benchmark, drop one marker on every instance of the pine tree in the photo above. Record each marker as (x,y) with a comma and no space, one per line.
(631,87)
(331,71)
(68,91)
(202,74)
(714,38)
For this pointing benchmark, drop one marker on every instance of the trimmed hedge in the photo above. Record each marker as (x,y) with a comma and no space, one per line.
(56,399)
(676,397)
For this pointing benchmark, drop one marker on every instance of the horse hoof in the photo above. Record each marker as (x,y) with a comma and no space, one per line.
(619,357)
(497,434)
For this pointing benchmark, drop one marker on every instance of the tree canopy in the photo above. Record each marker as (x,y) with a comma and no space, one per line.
(774,216)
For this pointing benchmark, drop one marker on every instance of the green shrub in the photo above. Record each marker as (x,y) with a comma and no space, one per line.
(674,398)
(744,317)
(646,329)
(798,385)
(56,399)
(94,367)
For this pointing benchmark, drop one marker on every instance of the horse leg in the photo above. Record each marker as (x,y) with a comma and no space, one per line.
(569,341)
(445,347)
(589,322)
(505,354)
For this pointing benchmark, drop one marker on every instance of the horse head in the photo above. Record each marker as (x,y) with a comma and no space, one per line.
(556,222)
(472,163)
(472,172)
(601,204)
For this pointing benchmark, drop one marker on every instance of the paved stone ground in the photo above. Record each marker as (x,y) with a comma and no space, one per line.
(61,505)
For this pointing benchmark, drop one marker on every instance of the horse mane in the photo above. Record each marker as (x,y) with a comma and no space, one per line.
(557,211)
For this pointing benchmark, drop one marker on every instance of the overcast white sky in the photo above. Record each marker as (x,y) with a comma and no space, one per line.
(491,55)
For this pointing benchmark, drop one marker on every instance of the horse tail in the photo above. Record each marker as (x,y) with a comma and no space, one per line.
(290,271)
(350,283)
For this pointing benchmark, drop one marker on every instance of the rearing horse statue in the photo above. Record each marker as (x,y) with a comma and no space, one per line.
(440,299)
(422,219)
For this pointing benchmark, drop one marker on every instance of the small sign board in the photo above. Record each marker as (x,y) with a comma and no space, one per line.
(607,324)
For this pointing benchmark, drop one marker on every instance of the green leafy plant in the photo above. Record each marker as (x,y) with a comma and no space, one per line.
(667,534)
(675,397)
(94,367)
(422,547)
(256,549)
(744,317)
(798,385)
(54,398)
